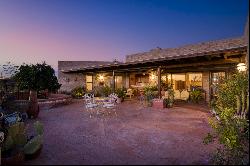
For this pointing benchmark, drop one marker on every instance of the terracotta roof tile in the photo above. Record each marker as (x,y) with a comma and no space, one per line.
(199,48)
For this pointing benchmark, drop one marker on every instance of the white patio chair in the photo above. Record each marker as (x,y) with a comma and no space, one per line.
(129,93)
(111,103)
(89,102)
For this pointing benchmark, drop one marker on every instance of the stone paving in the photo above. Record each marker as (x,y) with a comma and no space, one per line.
(137,135)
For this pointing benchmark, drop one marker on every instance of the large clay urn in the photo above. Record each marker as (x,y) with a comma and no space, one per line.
(33,110)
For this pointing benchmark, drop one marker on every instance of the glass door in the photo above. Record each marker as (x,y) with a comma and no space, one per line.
(216,78)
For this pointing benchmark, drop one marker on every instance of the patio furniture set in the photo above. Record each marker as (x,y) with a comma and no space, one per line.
(100,105)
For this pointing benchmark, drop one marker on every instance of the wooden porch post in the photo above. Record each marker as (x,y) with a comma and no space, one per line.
(113,80)
(159,81)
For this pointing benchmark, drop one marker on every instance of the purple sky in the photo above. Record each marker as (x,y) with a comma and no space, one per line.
(51,30)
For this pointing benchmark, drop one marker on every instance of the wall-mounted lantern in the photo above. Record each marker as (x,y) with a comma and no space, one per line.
(101,78)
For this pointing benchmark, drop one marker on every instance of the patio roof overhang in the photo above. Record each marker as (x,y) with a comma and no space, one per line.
(214,60)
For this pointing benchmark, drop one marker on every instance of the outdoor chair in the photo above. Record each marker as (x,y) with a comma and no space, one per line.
(129,93)
(89,102)
(111,103)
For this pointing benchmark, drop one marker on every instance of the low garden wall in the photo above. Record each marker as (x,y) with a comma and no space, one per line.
(53,101)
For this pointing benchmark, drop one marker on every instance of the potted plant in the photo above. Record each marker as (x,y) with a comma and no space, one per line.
(34,109)
(196,95)
(121,95)
(149,97)
(170,98)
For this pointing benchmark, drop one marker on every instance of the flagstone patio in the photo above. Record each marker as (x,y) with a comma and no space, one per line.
(137,135)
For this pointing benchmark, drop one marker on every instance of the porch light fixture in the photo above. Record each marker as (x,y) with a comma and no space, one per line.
(241,67)
(153,76)
(101,78)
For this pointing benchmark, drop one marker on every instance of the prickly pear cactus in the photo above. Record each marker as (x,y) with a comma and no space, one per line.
(33,145)
(20,139)
(13,130)
(38,127)
(247,107)
(8,143)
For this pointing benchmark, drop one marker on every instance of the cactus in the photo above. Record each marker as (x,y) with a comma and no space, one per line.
(13,130)
(16,136)
(20,139)
(38,127)
(33,145)
(238,105)
(8,143)
(247,105)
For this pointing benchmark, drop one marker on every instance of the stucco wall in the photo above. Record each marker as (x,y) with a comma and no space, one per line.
(72,80)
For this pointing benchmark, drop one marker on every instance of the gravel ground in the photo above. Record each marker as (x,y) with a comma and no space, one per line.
(137,135)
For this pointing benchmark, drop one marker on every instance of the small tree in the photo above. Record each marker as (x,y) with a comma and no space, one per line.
(37,77)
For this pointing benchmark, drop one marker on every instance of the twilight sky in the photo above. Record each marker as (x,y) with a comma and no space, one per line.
(33,31)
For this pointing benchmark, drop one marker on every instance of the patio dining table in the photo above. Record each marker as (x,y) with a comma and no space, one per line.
(101,99)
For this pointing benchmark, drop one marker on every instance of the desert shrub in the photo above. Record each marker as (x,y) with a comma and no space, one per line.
(150,88)
(77,92)
(102,91)
(121,92)
(232,128)
(196,95)
(150,93)
(228,91)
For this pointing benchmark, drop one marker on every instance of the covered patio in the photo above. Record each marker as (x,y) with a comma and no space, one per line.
(137,135)
(198,65)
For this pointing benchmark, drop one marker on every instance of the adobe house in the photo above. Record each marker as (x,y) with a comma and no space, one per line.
(201,64)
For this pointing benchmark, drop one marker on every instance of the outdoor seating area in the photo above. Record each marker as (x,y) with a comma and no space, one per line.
(136,135)
(124,82)
(100,105)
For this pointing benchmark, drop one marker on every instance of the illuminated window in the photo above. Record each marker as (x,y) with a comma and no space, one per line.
(194,80)
(118,82)
(89,82)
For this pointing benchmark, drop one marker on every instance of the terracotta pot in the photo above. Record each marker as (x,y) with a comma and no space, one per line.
(119,100)
(33,110)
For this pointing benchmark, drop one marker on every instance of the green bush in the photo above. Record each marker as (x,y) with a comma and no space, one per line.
(169,101)
(196,95)
(150,88)
(121,92)
(77,92)
(232,128)
(150,93)
(102,91)
(228,91)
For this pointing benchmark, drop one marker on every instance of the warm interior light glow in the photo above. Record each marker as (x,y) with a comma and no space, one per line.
(101,78)
(153,76)
(241,67)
